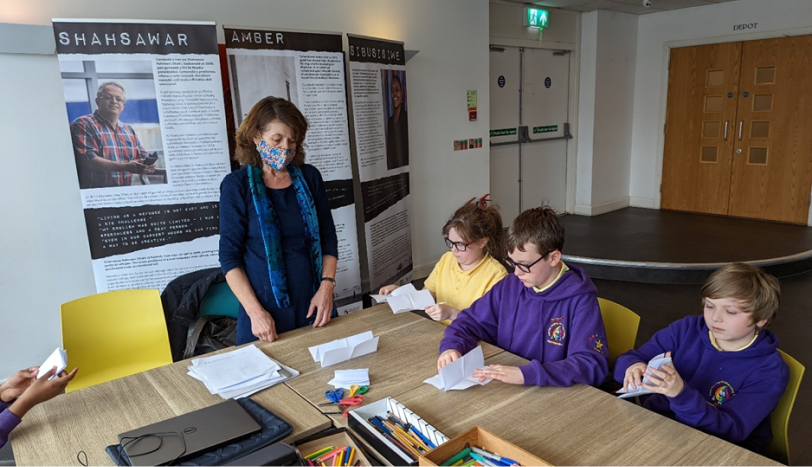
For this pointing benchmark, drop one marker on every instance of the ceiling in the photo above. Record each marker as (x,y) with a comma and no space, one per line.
(625,6)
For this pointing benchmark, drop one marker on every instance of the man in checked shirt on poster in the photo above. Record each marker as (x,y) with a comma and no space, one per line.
(107,151)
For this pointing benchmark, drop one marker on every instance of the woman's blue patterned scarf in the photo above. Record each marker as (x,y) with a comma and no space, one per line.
(271,236)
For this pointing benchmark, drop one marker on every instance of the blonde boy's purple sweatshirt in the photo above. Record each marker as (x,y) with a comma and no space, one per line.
(559,330)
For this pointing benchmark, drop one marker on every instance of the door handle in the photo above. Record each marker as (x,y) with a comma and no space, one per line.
(725,130)
(740,129)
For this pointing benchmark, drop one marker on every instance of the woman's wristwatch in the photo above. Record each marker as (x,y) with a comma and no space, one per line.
(329,279)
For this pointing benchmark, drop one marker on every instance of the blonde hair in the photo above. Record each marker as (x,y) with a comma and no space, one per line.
(261,115)
(759,291)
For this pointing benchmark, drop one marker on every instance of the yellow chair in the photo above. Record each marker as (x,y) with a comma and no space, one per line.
(114,334)
(779,419)
(621,326)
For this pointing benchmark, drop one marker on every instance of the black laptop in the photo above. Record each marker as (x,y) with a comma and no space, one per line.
(193,433)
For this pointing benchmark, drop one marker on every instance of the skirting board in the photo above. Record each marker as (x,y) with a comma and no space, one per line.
(422,271)
(603,208)
(647,203)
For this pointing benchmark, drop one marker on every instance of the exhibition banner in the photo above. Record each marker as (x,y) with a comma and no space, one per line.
(307,69)
(145,106)
(380,104)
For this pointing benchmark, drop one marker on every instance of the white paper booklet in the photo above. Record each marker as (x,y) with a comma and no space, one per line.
(58,359)
(239,373)
(406,298)
(341,350)
(457,375)
(346,378)
(655,363)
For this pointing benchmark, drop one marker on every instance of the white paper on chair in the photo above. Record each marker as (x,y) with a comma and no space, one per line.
(406,298)
(655,363)
(58,359)
(341,350)
(457,375)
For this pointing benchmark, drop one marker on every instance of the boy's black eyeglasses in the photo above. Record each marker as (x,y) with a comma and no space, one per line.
(460,246)
(524,267)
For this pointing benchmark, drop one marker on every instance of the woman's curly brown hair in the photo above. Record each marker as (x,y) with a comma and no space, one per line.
(261,115)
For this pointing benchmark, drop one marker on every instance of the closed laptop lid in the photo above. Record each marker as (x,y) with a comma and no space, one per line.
(188,434)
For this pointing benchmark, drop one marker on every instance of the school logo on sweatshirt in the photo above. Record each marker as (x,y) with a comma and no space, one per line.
(556,333)
(598,343)
(721,392)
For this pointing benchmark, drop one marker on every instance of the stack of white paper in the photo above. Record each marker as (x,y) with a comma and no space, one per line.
(58,359)
(655,363)
(406,298)
(340,350)
(346,378)
(457,375)
(239,373)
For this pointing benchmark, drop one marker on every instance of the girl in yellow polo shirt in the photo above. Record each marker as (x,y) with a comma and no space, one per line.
(474,235)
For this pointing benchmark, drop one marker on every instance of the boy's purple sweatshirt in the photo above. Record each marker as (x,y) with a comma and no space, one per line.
(726,394)
(559,330)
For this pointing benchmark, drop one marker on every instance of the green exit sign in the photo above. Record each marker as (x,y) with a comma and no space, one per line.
(535,18)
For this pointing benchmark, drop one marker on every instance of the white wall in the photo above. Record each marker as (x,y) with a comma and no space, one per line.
(658,32)
(606,101)
(506,28)
(45,257)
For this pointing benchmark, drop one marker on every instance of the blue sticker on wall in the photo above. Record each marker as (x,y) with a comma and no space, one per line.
(501,81)
(548,82)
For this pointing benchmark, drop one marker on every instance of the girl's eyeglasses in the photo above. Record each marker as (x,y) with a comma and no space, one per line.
(460,246)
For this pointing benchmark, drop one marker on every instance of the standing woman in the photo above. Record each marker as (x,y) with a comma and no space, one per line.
(278,244)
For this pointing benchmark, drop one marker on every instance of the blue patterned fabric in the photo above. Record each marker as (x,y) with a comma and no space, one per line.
(270,228)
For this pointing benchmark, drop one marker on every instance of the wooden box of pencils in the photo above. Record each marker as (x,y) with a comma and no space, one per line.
(328,449)
(395,432)
(478,443)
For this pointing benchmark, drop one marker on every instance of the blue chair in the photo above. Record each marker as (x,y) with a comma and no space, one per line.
(219,301)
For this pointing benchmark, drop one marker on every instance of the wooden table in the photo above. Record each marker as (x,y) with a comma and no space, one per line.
(579,425)
(90,419)
(407,354)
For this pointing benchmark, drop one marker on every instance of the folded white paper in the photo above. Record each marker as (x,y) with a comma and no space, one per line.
(655,363)
(341,350)
(239,373)
(406,298)
(58,359)
(457,375)
(346,378)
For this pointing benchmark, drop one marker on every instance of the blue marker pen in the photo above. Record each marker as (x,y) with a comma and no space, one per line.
(423,437)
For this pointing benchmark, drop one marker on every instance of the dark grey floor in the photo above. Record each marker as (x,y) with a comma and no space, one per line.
(6,455)
(635,234)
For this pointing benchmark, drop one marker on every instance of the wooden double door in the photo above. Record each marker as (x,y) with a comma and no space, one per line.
(738,136)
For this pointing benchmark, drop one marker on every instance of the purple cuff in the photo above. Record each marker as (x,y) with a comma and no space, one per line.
(8,422)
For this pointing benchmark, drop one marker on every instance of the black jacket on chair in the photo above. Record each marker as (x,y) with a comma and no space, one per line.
(181,300)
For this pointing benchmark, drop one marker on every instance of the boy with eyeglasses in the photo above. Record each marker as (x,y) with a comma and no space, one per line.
(546,312)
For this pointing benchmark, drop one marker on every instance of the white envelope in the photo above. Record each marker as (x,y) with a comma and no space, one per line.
(58,359)
(340,350)
(457,375)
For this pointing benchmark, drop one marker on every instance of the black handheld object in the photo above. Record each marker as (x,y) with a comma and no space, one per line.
(151,159)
